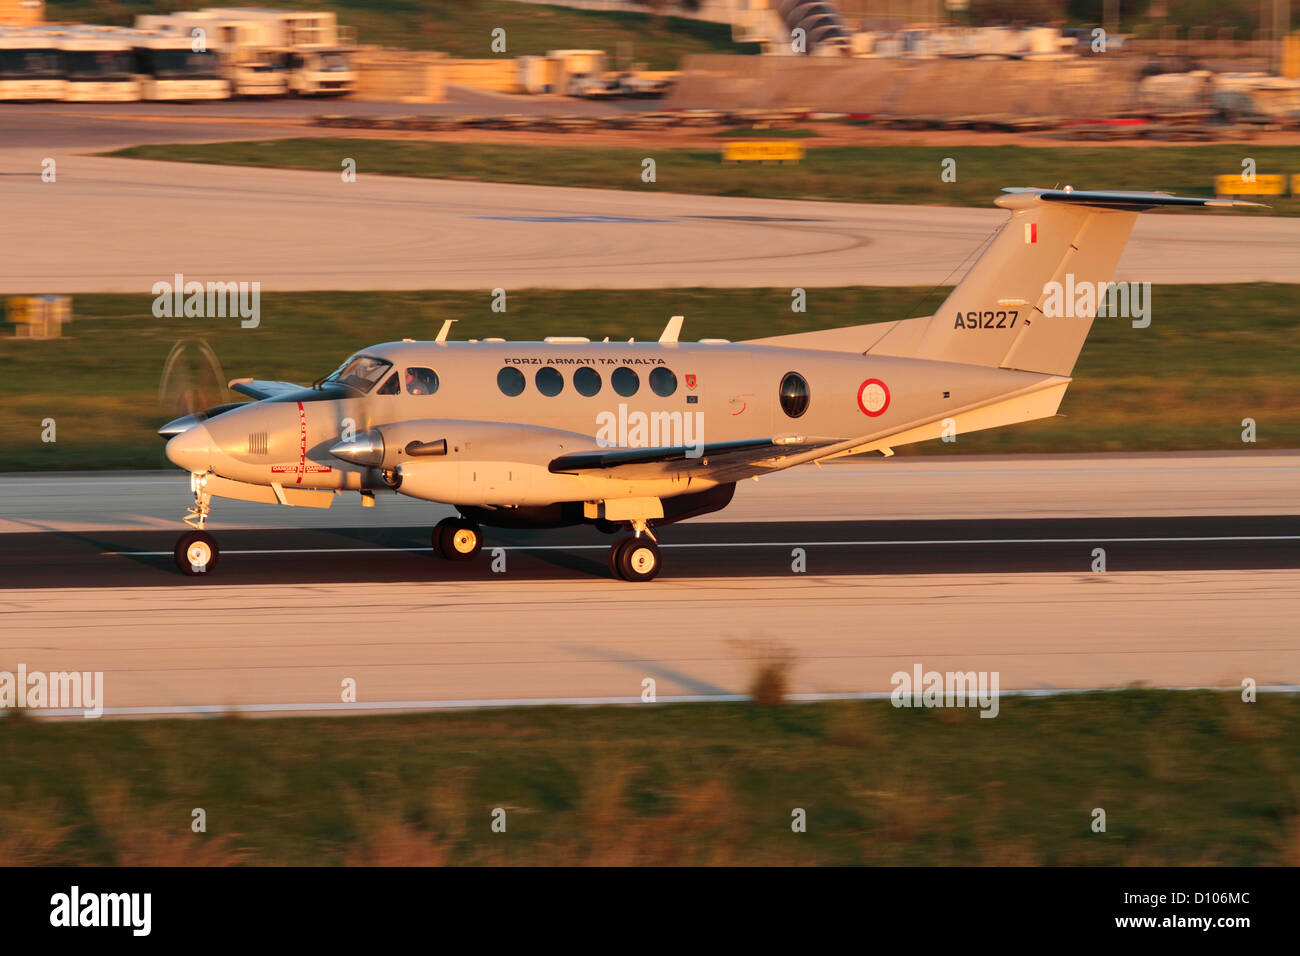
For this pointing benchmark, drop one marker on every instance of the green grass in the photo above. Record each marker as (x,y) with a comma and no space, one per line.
(1212,356)
(463,28)
(887,174)
(1190,778)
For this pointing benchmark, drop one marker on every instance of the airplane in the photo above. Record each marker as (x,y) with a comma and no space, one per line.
(633,436)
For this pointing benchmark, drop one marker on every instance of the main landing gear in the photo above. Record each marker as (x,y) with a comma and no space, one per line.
(196,551)
(636,557)
(457,539)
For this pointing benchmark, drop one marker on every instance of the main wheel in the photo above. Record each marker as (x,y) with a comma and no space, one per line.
(457,539)
(196,553)
(637,559)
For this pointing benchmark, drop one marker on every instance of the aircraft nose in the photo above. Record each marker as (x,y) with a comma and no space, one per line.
(192,449)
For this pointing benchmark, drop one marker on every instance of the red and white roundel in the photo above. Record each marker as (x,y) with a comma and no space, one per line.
(873,397)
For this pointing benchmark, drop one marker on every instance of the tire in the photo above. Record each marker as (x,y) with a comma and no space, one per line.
(638,559)
(457,539)
(614,551)
(196,553)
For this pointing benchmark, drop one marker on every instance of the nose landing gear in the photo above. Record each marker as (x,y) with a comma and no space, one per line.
(196,551)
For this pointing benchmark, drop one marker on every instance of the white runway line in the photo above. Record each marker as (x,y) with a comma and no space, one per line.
(755,544)
(217,710)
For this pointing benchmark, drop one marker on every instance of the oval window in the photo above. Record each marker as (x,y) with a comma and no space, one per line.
(586,380)
(663,382)
(549,381)
(625,381)
(511,381)
(794,394)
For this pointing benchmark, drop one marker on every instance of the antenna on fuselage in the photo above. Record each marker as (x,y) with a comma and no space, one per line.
(442,332)
(672,330)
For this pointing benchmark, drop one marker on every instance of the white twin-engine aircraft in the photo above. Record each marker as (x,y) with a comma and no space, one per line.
(631,436)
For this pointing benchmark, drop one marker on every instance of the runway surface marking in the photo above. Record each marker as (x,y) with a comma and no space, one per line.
(219,710)
(754,544)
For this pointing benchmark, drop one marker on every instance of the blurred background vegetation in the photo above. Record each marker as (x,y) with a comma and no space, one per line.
(1212,356)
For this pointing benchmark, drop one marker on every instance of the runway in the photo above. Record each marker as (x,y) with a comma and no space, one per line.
(969,563)
(294,230)
(717,550)
(279,648)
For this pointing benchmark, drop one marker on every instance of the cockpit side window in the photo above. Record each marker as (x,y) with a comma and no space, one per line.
(421,381)
(391,387)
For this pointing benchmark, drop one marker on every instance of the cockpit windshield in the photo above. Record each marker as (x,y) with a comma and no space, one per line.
(360,372)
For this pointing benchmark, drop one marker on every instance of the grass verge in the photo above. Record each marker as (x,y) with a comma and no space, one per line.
(1190,778)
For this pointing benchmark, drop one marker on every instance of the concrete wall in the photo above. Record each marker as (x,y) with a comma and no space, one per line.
(500,75)
(1084,88)
(403,76)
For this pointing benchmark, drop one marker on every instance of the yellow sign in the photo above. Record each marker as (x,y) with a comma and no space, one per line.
(1295,186)
(1264,185)
(39,316)
(775,151)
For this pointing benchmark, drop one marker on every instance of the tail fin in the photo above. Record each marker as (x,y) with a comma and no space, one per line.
(995,315)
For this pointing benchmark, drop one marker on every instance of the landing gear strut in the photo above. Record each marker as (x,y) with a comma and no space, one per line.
(196,551)
(636,557)
(457,539)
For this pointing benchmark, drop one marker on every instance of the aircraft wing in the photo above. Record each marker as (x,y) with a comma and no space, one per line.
(259,389)
(720,461)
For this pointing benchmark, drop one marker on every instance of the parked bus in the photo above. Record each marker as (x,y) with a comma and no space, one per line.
(99,66)
(31,66)
(169,68)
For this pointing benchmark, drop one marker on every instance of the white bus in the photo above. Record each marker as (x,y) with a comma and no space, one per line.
(169,68)
(31,66)
(99,67)
(242,45)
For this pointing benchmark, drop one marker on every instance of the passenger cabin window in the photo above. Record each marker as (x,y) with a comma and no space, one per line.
(549,381)
(390,387)
(511,381)
(421,381)
(625,381)
(663,382)
(794,394)
(586,380)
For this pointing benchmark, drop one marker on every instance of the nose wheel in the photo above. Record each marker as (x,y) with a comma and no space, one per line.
(457,539)
(196,553)
(635,559)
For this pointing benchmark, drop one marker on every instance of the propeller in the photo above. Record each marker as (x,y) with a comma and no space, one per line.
(191,388)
